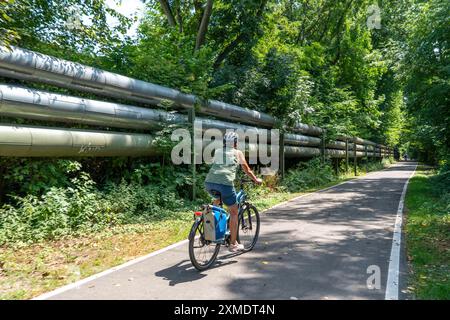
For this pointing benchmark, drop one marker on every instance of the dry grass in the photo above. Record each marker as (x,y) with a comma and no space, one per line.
(29,271)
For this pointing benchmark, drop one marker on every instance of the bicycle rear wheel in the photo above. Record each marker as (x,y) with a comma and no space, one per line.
(202,253)
(248,228)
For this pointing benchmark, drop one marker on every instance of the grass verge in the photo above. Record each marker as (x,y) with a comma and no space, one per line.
(427,237)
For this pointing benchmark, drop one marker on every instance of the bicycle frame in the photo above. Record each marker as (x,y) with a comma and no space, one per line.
(241,197)
(244,220)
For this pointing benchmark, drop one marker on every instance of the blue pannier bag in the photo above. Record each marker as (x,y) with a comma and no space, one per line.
(215,224)
(220,217)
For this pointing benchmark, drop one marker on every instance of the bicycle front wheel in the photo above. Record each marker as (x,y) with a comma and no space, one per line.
(202,253)
(248,228)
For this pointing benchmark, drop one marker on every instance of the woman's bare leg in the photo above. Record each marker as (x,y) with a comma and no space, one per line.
(233,223)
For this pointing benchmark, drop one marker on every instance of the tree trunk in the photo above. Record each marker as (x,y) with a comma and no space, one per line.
(225,52)
(168,12)
(241,37)
(179,19)
(201,34)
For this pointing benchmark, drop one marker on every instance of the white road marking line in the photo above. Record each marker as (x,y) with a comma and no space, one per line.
(76,285)
(392,285)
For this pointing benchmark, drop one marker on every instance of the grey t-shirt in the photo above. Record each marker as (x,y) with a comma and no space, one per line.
(223,170)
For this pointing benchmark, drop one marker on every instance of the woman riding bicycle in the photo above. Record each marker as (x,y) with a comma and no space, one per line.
(220,178)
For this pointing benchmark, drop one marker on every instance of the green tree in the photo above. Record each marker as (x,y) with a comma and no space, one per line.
(427,76)
(8,34)
(66,26)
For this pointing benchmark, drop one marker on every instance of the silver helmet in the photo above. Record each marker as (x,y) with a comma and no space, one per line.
(230,138)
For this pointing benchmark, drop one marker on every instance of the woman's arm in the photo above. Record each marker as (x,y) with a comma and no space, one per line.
(246,168)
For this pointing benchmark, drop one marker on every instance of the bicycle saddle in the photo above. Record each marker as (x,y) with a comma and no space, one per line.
(217,193)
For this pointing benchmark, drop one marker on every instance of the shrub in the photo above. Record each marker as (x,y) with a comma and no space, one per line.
(308,175)
(36,176)
(442,179)
(60,211)
(81,207)
(137,203)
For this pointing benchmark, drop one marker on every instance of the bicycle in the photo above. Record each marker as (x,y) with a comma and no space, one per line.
(248,231)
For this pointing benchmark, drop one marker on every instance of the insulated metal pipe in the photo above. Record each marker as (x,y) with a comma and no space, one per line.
(307,129)
(301,140)
(33,141)
(28,65)
(41,105)
(341,145)
(307,152)
(301,152)
(357,140)
(37,104)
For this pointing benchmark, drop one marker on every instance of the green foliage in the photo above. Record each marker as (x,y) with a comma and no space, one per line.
(315,62)
(163,141)
(132,202)
(168,59)
(67,24)
(310,61)
(8,35)
(31,176)
(56,213)
(424,71)
(393,119)
(427,236)
(152,193)
(308,175)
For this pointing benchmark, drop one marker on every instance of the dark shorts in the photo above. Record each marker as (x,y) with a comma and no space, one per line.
(228,192)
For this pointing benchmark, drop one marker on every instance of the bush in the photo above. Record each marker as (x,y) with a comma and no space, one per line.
(36,176)
(441,189)
(388,161)
(307,175)
(151,194)
(137,203)
(442,179)
(58,212)
(67,201)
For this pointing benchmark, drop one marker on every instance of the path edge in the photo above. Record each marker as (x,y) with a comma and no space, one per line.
(393,279)
(79,283)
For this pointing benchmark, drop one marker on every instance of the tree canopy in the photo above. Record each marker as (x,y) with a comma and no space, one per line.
(335,64)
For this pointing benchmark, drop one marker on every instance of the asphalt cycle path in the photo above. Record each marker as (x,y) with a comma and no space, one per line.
(331,244)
